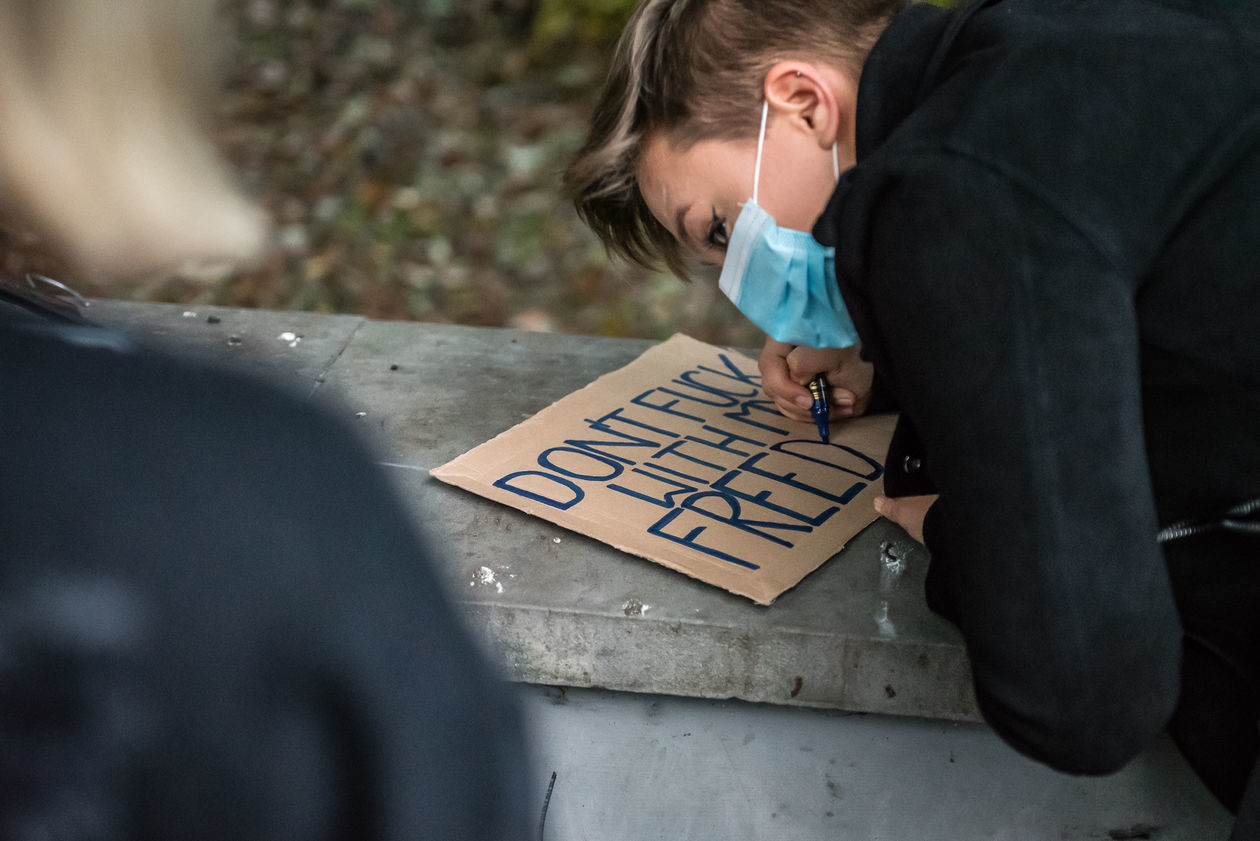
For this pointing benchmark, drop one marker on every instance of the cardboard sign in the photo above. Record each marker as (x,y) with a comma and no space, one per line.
(680,458)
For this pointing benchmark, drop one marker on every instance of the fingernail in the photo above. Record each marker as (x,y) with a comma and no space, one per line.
(880,504)
(804,402)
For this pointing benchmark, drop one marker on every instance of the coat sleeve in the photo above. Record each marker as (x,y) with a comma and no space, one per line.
(1014,343)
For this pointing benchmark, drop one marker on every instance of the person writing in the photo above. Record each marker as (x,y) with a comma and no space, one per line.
(1038,222)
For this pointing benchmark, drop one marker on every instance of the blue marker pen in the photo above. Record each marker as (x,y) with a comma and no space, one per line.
(820,410)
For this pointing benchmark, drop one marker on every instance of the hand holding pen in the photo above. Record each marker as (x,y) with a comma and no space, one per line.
(787,370)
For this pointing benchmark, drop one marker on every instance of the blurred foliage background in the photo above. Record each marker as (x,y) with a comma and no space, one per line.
(409,153)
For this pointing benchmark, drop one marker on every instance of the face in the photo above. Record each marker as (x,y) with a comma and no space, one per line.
(698,192)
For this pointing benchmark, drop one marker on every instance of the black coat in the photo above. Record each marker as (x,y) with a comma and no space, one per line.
(1050,246)
(217,620)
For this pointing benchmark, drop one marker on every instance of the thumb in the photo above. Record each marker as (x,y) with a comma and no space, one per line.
(891,508)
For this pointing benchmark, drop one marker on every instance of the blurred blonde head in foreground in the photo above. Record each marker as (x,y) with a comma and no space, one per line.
(102,144)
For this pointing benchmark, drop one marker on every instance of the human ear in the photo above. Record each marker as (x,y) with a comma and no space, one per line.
(818,99)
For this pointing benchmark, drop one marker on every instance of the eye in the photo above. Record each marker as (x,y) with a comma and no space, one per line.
(716,235)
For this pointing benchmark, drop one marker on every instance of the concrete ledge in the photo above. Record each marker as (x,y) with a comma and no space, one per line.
(564,609)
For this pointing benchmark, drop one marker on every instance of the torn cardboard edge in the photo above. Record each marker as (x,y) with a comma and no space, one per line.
(679,458)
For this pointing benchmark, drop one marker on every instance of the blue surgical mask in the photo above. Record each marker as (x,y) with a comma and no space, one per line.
(783,280)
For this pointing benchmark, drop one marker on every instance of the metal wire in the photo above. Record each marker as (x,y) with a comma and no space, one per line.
(1227,520)
(79,299)
(542,821)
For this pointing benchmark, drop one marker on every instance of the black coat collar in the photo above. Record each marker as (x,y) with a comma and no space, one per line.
(900,72)
(895,73)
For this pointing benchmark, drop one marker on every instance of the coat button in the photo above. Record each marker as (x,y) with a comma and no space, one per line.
(910,464)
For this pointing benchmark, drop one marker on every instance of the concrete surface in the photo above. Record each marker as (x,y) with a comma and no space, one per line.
(651,768)
(563,609)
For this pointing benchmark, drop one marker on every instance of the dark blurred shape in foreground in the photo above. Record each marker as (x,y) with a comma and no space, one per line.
(216,619)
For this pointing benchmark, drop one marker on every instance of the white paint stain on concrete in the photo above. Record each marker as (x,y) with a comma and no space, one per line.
(634,607)
(486,577)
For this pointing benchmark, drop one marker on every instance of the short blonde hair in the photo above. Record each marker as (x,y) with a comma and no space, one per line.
(102,142)
(695,70)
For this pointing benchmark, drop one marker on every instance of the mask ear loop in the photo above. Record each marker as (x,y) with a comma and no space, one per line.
(761,141)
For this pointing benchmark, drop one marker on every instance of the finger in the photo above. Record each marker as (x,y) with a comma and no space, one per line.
(886,507)
(841,397)
(776,384)
(902,513)
(770,357)
(839,403)
(790,410)
(773,357)
(805,363)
